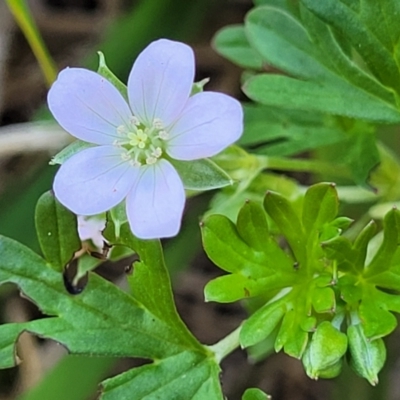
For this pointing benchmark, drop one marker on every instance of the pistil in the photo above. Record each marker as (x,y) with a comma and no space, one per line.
(141,144)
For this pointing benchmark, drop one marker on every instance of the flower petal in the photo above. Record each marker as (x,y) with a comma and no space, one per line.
(161,81)
(155,205)
(87,105)
(94,180)
(209,123)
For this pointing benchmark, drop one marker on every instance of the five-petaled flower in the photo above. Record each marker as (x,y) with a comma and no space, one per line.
(135,141)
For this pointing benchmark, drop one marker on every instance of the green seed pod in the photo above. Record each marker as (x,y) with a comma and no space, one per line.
(367,356)
(323,356)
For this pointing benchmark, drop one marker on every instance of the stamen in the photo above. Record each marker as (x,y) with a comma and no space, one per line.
(164,135)
(157,123)
(125,156)
(140,143)
(121,129)
(157,152)
(151,160)
(134,120)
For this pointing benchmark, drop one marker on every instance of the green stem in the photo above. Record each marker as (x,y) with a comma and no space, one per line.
(226,345)
(25,21)
(301,165)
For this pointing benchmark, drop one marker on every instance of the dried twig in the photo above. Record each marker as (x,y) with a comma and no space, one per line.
(32,137)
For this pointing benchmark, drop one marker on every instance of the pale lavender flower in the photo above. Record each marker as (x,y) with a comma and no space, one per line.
(136,140)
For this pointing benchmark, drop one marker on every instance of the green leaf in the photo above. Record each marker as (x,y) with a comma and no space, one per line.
(286,327)
(230,288)
(186,374)
(270,30)
(340,249)
(104,71)
(288,222)
(333,97)
(361,155)
(372,30)
(391,240)
(57,231)
(99,314)
(57,382)
(201,174)
(367,356)
(252,225)
(150,282)
(291,337)
(327,347)
(320,206)
(75,147)
(279,132)
(225,247)
(256,262)
(361,244)
(376,321)
(104,320)
(342,223)
(350,292)
(261,324)
(255,394)
(231,42)
(330,84)
(323,300)
(335,52)
(289,6)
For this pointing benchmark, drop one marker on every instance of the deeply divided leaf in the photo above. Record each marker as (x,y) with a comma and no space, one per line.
(56,228)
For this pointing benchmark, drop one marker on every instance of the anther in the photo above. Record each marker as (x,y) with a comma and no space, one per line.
(151,160)
(157,123)
(134,120)
(163,135)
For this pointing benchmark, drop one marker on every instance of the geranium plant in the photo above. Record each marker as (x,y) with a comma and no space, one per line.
(316,285)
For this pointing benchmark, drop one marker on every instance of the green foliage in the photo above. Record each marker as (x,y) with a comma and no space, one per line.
(316,294)
(232,43)
(57,231)
(201,174)
(105,321)
(104,71)
(338,64)
(278,132)
(321,294)
(59,381)
(67,152)
(255,394)
(328,79)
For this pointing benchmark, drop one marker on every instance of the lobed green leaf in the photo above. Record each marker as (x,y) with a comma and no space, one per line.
(320,206)
(261,324)
(56,228)
(255,394)
(188,374)
(231,42)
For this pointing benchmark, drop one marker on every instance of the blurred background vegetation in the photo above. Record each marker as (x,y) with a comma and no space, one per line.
(73,31)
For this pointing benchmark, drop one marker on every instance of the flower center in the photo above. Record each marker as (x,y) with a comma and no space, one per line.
(141,144)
